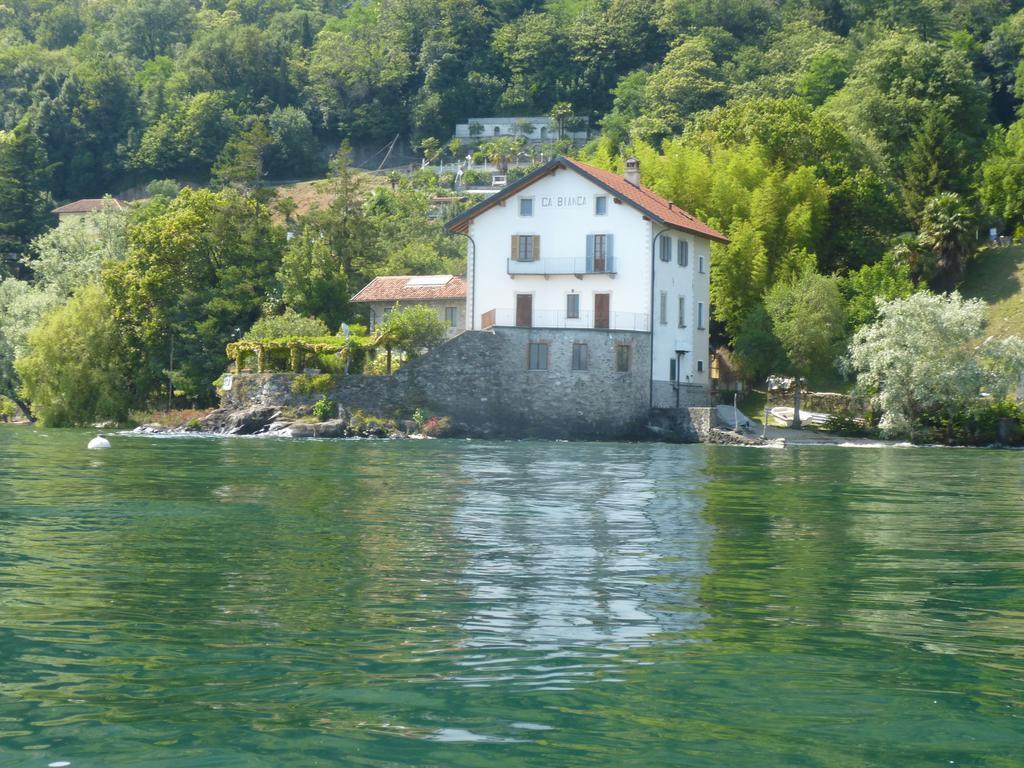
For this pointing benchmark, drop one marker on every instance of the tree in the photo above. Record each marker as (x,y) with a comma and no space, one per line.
(198,268)
(410,330)
(922,358)
(240,163)
(24,201)
(1002,186)
(430,148)
(756,348)
(948,233)
(73,370)
(313,278)
(935,163)
(560,114)
(21,308)
(499,151)
(885,280)
(809,319)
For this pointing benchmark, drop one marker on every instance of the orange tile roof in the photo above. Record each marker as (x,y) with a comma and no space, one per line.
(655,207)
(88,205)
(398,288)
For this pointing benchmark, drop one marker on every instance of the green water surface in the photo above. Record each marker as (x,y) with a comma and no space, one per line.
(242,602)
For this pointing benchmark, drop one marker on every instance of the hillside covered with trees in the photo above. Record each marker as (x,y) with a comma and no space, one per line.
(871,144)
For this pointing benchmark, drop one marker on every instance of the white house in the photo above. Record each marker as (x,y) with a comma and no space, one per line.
(538,129)
(595,259)
(445,294)
(84,212)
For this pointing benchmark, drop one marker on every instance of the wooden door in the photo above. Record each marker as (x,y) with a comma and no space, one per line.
(602,302)
(524,310)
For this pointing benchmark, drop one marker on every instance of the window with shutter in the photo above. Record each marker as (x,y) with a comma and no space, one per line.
(579,356)
(700,315)
(682,311)
(538,356)
(665,252)
(572,306)
(683,252)
(663,308)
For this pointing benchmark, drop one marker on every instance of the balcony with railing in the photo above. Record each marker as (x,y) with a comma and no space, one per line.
(551,318)
(564,265)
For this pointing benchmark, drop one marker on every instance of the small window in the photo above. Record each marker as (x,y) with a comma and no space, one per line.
(665,252)
(579,356)
(497,130)
(572,306)
(700,315)
(663,308)
(700,264)
(600,205)
(622,358)
(700,366)
(672,369)
(683,252)
(526,206)
(538,356)
(451,316)
(682,311)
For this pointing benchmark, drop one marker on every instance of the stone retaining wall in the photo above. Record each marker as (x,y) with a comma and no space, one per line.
(482,381)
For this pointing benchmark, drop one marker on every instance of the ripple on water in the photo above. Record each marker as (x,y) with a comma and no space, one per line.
(228,602)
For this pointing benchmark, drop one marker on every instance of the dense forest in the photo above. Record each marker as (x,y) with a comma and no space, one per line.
(872,143)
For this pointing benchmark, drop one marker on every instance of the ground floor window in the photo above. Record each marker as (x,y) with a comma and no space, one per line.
(451,316)
(622,358)
(672,369)
(700,366)
(538,356)
(572,306)
(579,356)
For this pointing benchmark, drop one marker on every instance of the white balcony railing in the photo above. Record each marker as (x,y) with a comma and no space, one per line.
(550,318)
(563,265)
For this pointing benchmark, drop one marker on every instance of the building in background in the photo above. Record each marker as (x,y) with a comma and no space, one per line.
(532,129)
(83,212)
(446,294)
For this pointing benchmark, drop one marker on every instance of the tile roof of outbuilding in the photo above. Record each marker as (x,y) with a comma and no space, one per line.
(654,206)
(398,288)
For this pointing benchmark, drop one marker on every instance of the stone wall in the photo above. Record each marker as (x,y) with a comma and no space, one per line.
(816,402)
(667,394)
(481,380)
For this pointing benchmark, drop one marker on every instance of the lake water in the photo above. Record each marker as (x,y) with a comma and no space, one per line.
(207,602)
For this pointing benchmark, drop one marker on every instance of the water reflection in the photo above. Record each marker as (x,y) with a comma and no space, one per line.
(564,552)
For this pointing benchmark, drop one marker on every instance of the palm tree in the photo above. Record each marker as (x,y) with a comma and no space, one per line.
(949,233)
(499,151)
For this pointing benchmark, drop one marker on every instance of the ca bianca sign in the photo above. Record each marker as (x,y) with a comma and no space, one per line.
(566,201)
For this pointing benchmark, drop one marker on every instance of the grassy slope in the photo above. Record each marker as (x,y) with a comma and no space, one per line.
(997,277)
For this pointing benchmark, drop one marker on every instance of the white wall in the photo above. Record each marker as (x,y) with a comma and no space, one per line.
(563,216)
(689,282)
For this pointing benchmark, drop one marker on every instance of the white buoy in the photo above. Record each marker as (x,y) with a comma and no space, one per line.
(99,442)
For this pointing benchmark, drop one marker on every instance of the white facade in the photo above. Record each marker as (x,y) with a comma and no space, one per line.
(561,213)
(542,129)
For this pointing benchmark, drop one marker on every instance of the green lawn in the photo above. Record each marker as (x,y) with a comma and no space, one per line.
(997,276)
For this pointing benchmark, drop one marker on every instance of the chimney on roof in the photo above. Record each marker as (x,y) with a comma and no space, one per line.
(632,174)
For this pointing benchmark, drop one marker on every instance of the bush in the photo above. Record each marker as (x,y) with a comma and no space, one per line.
(846,425)
(324,409)
(305,385)
(288,323)
(7,408)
